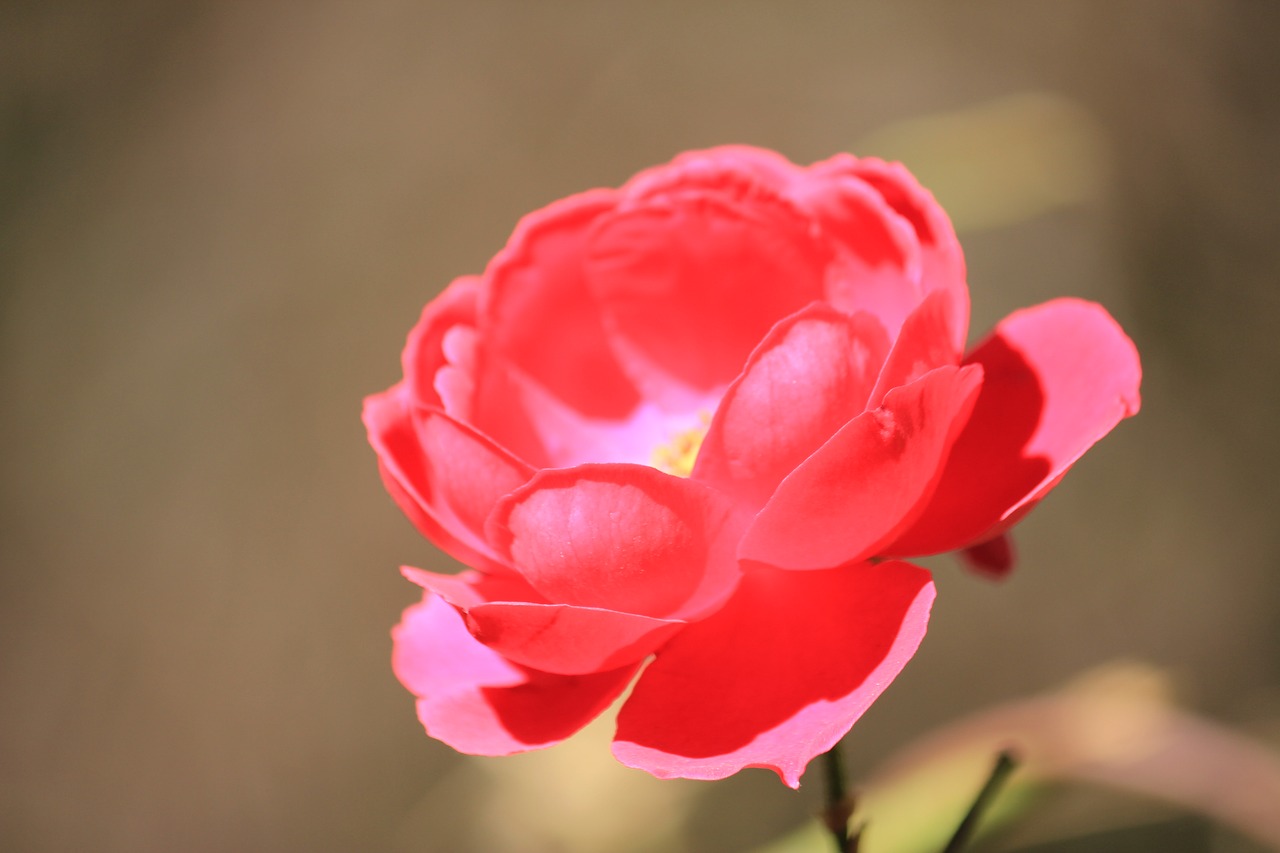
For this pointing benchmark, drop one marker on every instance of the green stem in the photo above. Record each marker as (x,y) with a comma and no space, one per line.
(1005,764)
(839,805)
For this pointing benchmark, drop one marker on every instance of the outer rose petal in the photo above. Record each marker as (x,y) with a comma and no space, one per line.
(568,640)
(409,477)
(810,375)
(469,589)
(778,675)
(477,702)
(869,481)
(540,315)
(510,618)
(470,473)
(620,537)
(690,280)
(1059,377)
(763,166)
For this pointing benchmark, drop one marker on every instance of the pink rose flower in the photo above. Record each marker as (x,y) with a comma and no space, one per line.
(700,419)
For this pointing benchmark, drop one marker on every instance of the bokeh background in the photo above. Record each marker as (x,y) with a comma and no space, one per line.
(219,220)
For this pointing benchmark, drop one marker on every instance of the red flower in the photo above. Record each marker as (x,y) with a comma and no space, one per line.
(699,419)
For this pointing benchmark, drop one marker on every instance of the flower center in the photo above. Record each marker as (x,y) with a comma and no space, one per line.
(677,454)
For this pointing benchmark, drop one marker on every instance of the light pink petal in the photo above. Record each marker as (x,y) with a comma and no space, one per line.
(941,259)
(692,278)
(511,618)
(540,313)
(778,675)
(620,537)
(924,343)
(445,475)
(1059,377)
(455,381)
(869,481)
(479,703)
(810,375)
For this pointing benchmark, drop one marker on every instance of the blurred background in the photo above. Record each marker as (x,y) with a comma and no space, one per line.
(219,220)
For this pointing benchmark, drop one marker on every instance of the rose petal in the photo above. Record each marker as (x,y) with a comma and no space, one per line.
(509,617)
(405,472)
(713,166)
(878,266)
(411,505)
(548,433)
(692,279)
(469,473)
(942,261)
(1059,377)
(445,476)
(504,407)
(808,377)
(456,381)
(477,702)
(869,481)
(540,314)
(468,589)
(924,343)
(620,537)
(778,675)
(448,366)
(568,640)
(424,352)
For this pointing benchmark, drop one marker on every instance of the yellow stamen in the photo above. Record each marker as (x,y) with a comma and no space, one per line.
(677,455)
